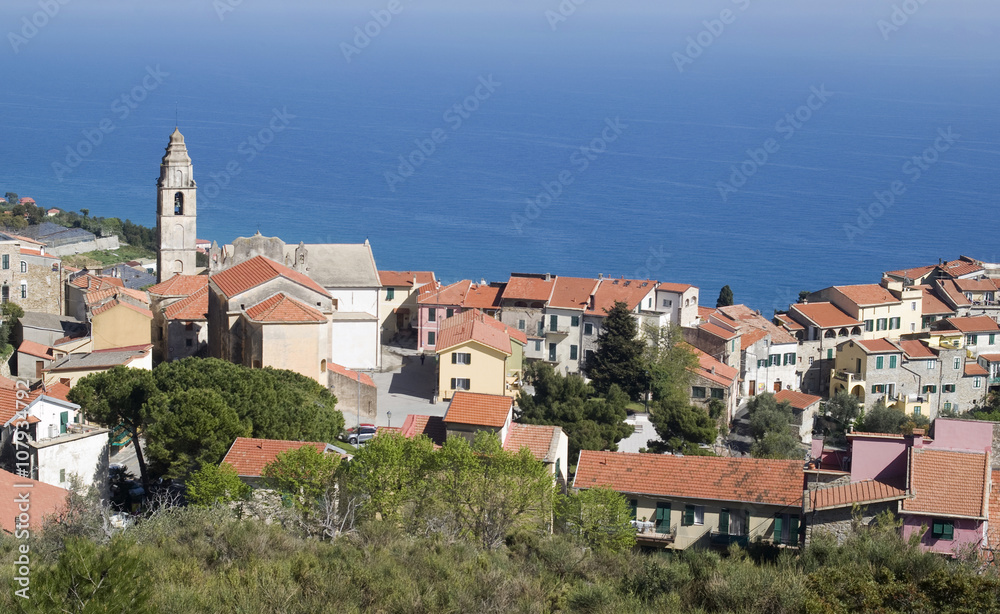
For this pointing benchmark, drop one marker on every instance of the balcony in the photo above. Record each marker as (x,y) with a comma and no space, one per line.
(647,535)
(724,540)
(559,330)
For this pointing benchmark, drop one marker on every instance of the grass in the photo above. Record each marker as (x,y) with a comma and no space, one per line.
(636,407)
(101,258)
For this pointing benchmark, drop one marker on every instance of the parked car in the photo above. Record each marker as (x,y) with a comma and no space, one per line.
(361,434)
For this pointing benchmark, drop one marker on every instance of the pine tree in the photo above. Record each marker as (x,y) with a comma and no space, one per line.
(725,297)
(619,357)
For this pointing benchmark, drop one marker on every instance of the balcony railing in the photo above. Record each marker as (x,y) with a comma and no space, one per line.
(646,532)
(725,539)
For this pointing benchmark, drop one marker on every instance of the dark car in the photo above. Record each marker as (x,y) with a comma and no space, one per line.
(361,434)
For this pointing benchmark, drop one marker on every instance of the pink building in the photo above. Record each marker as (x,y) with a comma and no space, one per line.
(437,305)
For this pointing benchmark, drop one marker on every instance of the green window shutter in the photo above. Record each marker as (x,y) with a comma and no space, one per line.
(937,528)
(454,358)
(688,515)
(793,531)
(874,388)
(468,358)
(829,354)
(949,531)
(633,505)
(453,383)
(553,323)
(390,294)
(724,522)
(63,421)
(777,528)
(575,321)
(879,362)
(892,362)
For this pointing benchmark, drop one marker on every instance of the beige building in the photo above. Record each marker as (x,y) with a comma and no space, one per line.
(120,323)
(882,314)
(72,367)
(180,317)
(478,353)
(398,300)
(29,276)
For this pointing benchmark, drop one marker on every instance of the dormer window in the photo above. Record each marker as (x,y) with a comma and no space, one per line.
(178,204)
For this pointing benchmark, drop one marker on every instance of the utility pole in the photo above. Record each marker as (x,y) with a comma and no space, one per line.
(358,428)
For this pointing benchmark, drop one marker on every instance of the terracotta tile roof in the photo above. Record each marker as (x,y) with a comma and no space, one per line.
(931,305)
(753,326)
(991,357)
(45,499)
(628,291)
(256,271)
(10,404)
(479,409)
(474,325)
(541,440)
(24,239)
(952,292)
(975,324)
(864,295)
(824,315)
(249,456)
(877,346)
(751,337)
(463,294)
(97,282)
(672,287)
(749,480)
(528,289)
(714,370)
(788,322)
(705,312)
(974,369)
(960,267)
(35,349)
(482,297)
(180,285)
(913,273)
(947,483)
(97,296)
(865,491)
(365,378)
(572,292)
(108,306)
(993,538)
(915,349)
(192,307)
(975,285)
(798,400)
(718,331)
(432,426)
(58,390)
(282,308)
(405,278)
(36,252)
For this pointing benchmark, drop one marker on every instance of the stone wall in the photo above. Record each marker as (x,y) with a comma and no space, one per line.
(840,521)
(99,243)
(346,391)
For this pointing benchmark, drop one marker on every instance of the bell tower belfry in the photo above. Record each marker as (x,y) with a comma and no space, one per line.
(176,212)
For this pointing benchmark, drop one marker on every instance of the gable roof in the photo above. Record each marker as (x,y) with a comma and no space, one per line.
(192,307)
(746,480)
(282,308)
(248,456)
(846,495)
(251,273)
(542,440)
(432,426)
(108,306)
(99,359)
(824,315)
(528,288)
(35,349)
(46,500)
(180,285)
(714,370)
(405,278)
(479,409)
(864,295)
(876,346)
(947,483)
(572,292)
(912,273)
(482,297)
(96,296)
(974,324)
(952,292)
(975,285)
(339,265)
(915,349)
(342,370)
(798,400)
(960,267)
(667,286)
(714,329)
(931,305)
(474,325)
(974,369)
(628,291)
(753,326)
(88,281)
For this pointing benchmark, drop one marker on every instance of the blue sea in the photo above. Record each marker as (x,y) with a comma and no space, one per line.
(772,146)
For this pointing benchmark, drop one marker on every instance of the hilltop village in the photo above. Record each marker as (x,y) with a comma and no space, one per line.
(407,356)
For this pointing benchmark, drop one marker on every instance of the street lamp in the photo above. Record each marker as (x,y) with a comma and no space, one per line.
(388,418)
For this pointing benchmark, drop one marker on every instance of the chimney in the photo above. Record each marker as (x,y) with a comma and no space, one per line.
(917,438)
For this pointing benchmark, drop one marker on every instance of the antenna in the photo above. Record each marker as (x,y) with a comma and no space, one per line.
(177,122)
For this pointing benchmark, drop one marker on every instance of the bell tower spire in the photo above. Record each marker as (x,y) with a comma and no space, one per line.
(176,211)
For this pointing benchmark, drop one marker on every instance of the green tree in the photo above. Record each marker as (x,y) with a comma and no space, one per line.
(618,358)
(488,492)
(188,429)
(215,485)
(305,474)
(388,474)
(803,295)
(669,362)
(119,396)
(840,413)
(681,427)
(771,425)
(85,212)
(882,419)
(589,421)
(601,517)
(14,222)
(12,198)
(725,297)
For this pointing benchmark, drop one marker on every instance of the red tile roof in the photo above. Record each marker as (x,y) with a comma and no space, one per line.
(256,271)
(974,369)
(974,324)
(479,409)
(877,346)
(283,308)
(788,322)
(672,287)
(463,294)
(36,252)
(913,273)
(473,325)
(180,285)
(482,297)
(993,538)
(960,267)
(365,378)
(432,426)
(704,312)
(10,404)
(96,296)
(798,400)
(824,315)
(951,290)
(975,285)
(753,326)
(249,456)
(916,349)
(864,295)
(108,306)
(718,331)
(405,278)
(541,440)
(714,370)
(45,500)
(528,289)
(866,491)
(96,282)
(749,480)
(931,305)
(572,292)
(628,291)
(35,349)
(947,483)
(193,307)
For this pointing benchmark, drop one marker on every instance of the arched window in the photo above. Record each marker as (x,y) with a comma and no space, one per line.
(178,267)
(178,204)
(322,366)
(24,266)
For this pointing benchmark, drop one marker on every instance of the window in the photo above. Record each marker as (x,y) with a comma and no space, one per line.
(573,352)
(24,266)
(178,204)
(6,261)
(588,329)
(460,383)
(943,529)
(810,361)
(552,352)
(829,354)
(761,363)
(913,306)
(538,345)
(892,362)
(541,328)
(881,324)
(786,529)
(790,358)
(62,475)
(649,303)
(931,365)
(977,382)
(693,515)
(971,339)
(520,325)
(24,290)
(993,338)
(774,360)
(574,321)
(431,338)
(869,325)
(449,312)
(880,362)
(949,387)
(913,327)
(929,389)
(957,363)
(461,358)
(718,393)
(947,406)
(432,315)
(894,324)
(553,323)
(662,518)
(589,355)
(390,294)
(698,392)
(668,303)
(633,505)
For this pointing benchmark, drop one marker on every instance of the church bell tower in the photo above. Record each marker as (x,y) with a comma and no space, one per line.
(176,212)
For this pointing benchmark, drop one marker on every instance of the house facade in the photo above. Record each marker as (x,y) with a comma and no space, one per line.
(398,300)
(480,354)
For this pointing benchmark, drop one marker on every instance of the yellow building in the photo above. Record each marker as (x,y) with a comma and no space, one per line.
(120,323)
(398,300)
(885,315)
(478,353)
